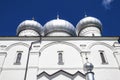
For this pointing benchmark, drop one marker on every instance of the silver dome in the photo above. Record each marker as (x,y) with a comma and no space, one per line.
(30,24)
(88,22)
(59,25)
(88,66)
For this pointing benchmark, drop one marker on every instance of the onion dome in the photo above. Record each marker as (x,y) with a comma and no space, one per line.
(30,25)
(59,25)
(88,66)
(88,22)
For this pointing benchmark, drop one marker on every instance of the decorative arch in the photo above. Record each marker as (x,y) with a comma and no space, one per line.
(66,43)
(66,74)
(15,44)
(101,43)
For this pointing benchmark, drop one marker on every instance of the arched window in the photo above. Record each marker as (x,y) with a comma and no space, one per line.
(93,34)
(18,59)
(103,58)
(60,59)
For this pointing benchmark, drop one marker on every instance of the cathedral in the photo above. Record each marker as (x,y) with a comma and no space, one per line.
(60,51)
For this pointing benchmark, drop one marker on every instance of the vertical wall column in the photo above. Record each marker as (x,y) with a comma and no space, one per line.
(2,60)
(117,57)
(33,59)
(32,66)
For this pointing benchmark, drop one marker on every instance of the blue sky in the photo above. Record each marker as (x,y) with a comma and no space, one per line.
(13,12)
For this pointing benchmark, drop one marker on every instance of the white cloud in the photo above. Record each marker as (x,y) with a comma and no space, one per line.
(106,3)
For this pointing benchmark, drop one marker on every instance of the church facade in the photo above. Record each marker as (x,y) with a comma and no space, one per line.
(59,51)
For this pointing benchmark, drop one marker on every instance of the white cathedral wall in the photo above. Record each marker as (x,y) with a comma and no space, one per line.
(84,46)
(78,78)
(32,73)
(107,74)
(117,55)
(10,70)
(96,60)
(15,74)
(2,59)
(61,77)
(43,78)
(33,66)
(47,59)
(118,59)
(12,56)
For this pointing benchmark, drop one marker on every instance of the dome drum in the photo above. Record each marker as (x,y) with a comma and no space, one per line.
(37,29)
(88,25)
(60,29)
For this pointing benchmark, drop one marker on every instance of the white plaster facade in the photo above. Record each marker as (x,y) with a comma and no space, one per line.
(43,62)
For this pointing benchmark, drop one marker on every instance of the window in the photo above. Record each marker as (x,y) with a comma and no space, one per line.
(18,59)
(103,59)
(93,34)
(60,58)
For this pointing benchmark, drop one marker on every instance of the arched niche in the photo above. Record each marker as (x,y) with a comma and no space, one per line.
(12,51)
(49,56)
(95,54)
(54,43)
(16,44)
(101,43)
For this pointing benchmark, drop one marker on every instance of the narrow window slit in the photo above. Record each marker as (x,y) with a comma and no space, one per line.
(60,58)
(18,59)
(103,58)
